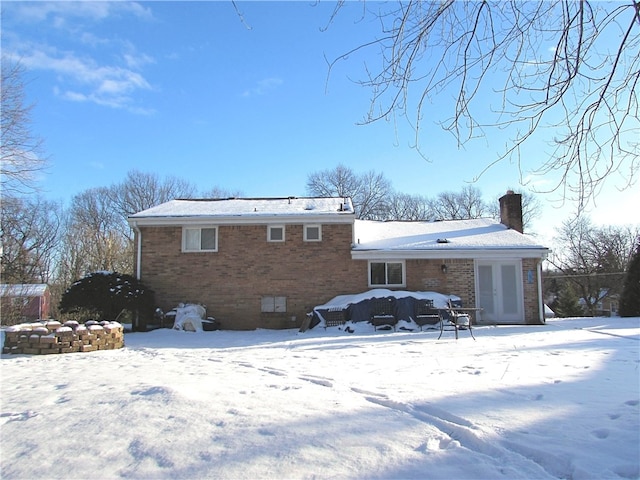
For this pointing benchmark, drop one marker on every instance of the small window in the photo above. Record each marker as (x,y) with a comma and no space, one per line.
(200,239)
(275,233)
(271,304)
(312,233)
(386,274)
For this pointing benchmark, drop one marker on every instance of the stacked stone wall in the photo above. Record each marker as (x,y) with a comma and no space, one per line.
(51,337)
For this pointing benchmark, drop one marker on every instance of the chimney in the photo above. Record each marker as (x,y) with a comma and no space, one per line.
(511,210)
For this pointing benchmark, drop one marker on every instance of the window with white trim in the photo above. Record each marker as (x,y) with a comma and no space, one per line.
(275,233)
(388,274)
(200,239)
(312,233)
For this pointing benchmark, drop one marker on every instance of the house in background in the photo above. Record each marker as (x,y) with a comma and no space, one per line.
(265,263)
(24,302)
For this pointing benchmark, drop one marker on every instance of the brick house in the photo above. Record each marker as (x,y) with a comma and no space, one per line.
(265,263)
(24,302)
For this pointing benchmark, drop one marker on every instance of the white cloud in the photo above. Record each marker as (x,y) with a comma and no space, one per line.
(263,87)
(59,12)
(85,80)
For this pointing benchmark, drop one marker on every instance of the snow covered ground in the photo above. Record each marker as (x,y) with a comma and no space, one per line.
(554,401)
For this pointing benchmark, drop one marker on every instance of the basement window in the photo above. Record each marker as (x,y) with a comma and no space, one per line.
(200,239)
(270,304)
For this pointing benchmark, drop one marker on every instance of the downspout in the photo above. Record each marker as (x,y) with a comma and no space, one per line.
(540,298)
(138,250)
(136,320)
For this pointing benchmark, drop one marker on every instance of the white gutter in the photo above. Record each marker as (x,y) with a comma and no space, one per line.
(134,225)
(484,253)
(540,299)
(247,219)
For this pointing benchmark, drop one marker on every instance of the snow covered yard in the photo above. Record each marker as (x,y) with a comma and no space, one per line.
(554,401)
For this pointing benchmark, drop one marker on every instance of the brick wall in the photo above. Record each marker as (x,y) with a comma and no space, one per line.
(232,281)
(531,303)
(458,280)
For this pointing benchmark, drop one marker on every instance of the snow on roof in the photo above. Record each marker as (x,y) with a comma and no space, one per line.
(480,233)
(23,290)
(249,207)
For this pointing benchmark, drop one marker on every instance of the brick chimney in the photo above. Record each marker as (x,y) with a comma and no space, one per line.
(511,210)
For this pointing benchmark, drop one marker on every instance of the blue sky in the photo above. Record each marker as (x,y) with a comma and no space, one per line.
(245,104)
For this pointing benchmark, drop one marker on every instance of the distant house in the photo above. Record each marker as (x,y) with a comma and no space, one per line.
(24,302)
(265,263)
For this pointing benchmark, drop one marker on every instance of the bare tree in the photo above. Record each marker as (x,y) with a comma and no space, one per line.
(402,206)
(339,182)
(593,259)
(29,233)
(369,192)
(466,204)
(94,237)
(20,149)
(141,190)
(218,192)
(565,72)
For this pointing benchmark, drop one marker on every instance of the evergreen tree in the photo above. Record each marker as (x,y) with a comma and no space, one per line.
(106,294)
(567,303)
(630,298)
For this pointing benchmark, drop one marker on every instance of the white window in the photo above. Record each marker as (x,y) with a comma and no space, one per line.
(389,274)
(275,233)
(274,304)
(200,239)
(312,233)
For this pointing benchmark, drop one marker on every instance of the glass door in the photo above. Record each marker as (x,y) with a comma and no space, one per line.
(499,291)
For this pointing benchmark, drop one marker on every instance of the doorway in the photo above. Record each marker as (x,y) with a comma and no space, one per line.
(500,292)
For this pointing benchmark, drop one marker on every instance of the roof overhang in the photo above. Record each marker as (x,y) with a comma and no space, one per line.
(170,221)
(450,253)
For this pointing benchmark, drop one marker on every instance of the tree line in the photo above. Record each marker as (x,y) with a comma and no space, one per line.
(42,242)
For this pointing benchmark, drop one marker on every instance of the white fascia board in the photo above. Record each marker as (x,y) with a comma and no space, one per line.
(240,220)
(478,254)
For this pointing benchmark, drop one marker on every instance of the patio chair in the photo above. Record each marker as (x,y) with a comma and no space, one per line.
(458,319)
(334,317)
(382,313)
(427,314)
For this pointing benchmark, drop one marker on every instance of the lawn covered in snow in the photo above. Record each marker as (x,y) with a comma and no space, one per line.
(554,401)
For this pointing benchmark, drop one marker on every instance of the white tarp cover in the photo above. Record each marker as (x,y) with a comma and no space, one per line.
(189,317)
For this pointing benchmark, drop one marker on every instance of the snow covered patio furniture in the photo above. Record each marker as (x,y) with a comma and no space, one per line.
(427,314)
(459,318)
(382,313)
(335,317)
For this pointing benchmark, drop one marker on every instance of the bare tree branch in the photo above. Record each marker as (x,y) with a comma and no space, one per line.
(580,96)
(20,149)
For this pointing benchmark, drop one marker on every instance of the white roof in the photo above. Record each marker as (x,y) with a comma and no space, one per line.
(23,289)
(245,210)
(443,239)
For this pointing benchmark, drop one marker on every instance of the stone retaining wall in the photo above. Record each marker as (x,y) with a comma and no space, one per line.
(45,338)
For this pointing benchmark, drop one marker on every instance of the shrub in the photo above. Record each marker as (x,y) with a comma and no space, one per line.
(567,303)
(107,294)
(630,298)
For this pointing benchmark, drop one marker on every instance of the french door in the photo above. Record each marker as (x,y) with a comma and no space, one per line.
(499,291)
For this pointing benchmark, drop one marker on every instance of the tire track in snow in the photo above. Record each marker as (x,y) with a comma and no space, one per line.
(468,435)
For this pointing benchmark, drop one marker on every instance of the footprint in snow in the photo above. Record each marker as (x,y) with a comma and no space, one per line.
(318,381)
(632,403)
